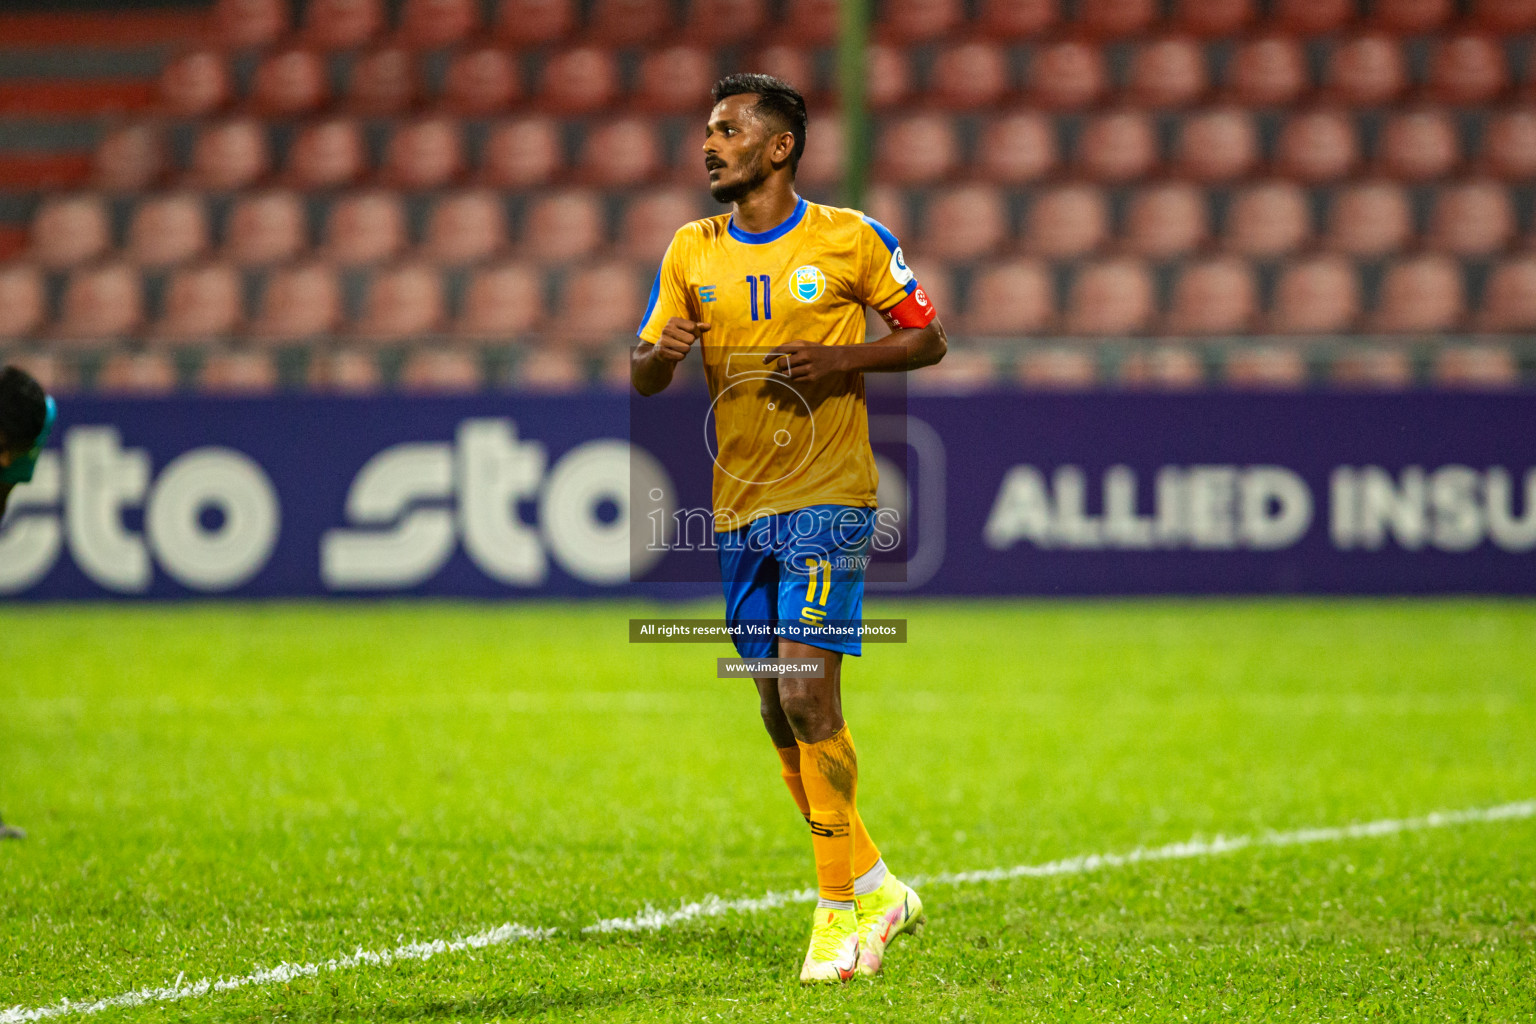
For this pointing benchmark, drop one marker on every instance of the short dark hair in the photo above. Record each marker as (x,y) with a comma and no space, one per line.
(23,408)
(776,98)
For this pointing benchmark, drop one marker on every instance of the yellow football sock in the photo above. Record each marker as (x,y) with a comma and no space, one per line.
(790,758)
(830,773)
(865,853)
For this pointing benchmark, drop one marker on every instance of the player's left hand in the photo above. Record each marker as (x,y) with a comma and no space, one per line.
(808,362)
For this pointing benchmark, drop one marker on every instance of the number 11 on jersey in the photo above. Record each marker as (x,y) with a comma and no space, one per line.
(752,283)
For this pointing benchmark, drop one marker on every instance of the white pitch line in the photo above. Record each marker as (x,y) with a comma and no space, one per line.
(713,906)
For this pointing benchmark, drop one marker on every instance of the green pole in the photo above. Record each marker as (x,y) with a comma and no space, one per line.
(852,43)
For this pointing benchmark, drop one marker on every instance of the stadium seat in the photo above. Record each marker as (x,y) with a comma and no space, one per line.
(1311,17)
(1167,72)
(465,227)
(1412,17)
(246,24)
(228,155)
(289,83)
(1166,220)
(1066,221)
(1317,146)
(964,223)
(599,303)
(1316,295)
(675,80)
(1372,368)
(1472,218)
(910,20)
(342,24)
(1269,71)
(202,303)
(630,22)
(717,22)
(1366,71)
(1017,147)
(100,303)
(1478,367)
(790,64)
(1421,294)
(1011,299)
(1267,219)
(365,228)
(1214,296)
(1117,146)
(528,23)
(1058,369)
(1467,69)
(195,84)
(1111,297)
(888,206)
(888,81)
(345,371)
(441,371)
(580,81)
(402,302)
(1509,298)
(327,154)
(1420,145)
(130,158)
(70,230)
(299,302)
(811,22)
(1509,145)
(963,371)
(622,151)
(433,24)
(1505,15)
(1116,19)
(1017,19)
(522,153)
(564,226)
(917,149)
(1214,19)
(551,371)
(1372,218)
(140,374)
(1265,367)
(54,370)
(168,229)
(481,80)
(502,302)
(237,373)
(938,283)
(265,228)
(822,161)
(23,301)
(969,76)
(1067,75)
(651,219)
(428,153)
(383,81)
(1217,145)
(1164,367)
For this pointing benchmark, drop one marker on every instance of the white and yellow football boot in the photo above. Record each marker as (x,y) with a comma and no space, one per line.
(834,952)
(889,911)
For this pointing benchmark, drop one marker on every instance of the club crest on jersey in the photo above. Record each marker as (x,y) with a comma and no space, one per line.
(899,267)
(808,283)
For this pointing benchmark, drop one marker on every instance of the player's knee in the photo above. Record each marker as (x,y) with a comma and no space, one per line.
(803,709)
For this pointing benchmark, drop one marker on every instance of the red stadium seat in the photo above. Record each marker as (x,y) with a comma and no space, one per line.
(1317,146)
(1167,72)
(1067,75)
(1317,295)
(822,162)
(327,154)
(1058,369)
(907,21)
(383,82)
(813,22)
(238,373)
(535,22)
(55,371)
(552,371)
(1505,15)
(652,218)
(1217,145)
(141,374)
(1368,70)
(432,24)
(403,302)
(1312,17)
(676,79)
(522,153)
(1509,145)
(202,303)
(1369,219)
(1374,368)
(1472,218)
(917,149)
(964,223)
(365,228)
(1167,220)
(630,22)
(299,302)
(580,81)
(23,300)
(969,76)
(1268,219)
(1214,296)
(244,24)
(937,282)
(1270,71)
(290,82)
(1419,145)
(1011,299)
(888,81)
(1118,146)
(717,22)
(1017,19)
(1412,17)
(265,228)
(963,371)
(1480,367)
(70,230)
(195,84)
(601,302)
(424,154)
(441,371)
(1067,221)
(481,80)
(1214,18)
(1116,19)
(342,24)
(1421,294)
(346,371)
(1165,367)
(229,155)
(129,158)
(466,227)
(1467,69)
(564,226)
(101,303)
(888,206)
(1509,299)
(1017,147)
(168,229)
(789,64)
(1265,368)
(622,151)
(1112,297)
(502,302)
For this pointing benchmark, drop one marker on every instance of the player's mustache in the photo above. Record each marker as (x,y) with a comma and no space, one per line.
(713,162)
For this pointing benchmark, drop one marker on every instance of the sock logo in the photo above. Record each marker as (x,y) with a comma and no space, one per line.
(834,831)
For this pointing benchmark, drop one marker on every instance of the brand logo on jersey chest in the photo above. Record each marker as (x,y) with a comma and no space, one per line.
(808,283)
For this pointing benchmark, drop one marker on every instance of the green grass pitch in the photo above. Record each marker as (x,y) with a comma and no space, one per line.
(210,790)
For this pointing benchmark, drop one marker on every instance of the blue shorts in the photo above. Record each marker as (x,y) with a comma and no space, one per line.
(800,576)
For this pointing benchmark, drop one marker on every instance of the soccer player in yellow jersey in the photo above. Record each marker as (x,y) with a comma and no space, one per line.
(773,294)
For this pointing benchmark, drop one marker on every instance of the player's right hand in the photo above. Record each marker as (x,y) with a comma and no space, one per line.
(677,338)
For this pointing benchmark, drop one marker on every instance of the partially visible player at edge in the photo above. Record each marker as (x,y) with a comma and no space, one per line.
(791,279)
(26,420)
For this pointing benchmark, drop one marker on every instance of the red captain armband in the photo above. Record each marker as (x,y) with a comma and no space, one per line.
(913,311)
